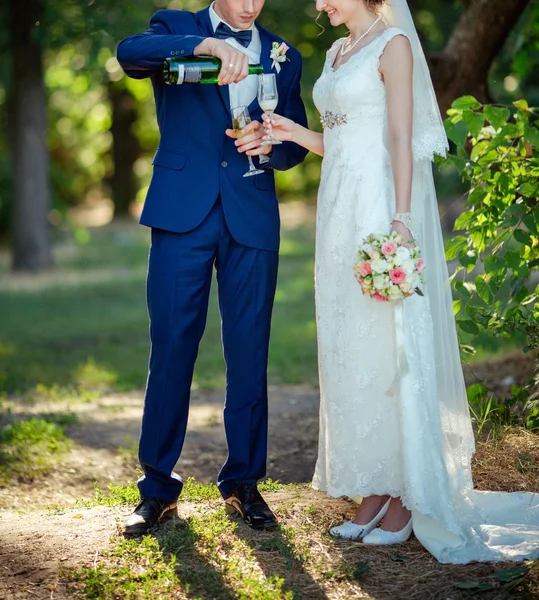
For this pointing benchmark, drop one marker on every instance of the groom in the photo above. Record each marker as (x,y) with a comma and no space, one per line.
(204,213)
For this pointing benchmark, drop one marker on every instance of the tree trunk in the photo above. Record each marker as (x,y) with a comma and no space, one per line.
(30,159)
(463,67)
(125,147)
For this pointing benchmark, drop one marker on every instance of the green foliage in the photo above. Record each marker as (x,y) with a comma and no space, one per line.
(495,414)
(499,157)
(497,153)
(29,448)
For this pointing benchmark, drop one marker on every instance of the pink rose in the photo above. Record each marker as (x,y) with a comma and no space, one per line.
(379,297)
(397,275)
(364,269)
(373,255)
(389,248)
(283,49)
(420,265)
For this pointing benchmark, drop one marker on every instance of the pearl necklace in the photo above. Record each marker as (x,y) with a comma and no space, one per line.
(354,44)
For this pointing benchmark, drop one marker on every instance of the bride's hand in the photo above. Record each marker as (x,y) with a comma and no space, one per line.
(401,228)
(278,128)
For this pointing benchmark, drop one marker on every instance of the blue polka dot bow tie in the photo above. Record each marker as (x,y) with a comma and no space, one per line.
(224,32)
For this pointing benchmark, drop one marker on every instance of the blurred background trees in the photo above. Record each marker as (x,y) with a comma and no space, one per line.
(75,131)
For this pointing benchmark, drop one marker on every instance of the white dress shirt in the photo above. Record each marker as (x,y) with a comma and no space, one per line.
(244,92)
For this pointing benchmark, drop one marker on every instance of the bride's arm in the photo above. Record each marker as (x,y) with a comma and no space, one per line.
(286,130)
(396,68)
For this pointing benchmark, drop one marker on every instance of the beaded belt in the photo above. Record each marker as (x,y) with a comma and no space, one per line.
(330,119)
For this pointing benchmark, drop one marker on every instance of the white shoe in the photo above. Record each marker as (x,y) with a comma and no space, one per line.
(382,537)
(351,531)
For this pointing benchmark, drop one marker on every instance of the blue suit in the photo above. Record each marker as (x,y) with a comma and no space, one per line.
(205,214)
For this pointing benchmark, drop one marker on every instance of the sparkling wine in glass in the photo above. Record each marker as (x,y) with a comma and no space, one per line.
(240,119)
(268,97)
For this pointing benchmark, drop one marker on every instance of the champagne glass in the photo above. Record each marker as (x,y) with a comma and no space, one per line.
(268,97)
(240,119)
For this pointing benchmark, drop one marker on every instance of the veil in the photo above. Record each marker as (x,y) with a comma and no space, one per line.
(428,133)
(453,521)
(428,139)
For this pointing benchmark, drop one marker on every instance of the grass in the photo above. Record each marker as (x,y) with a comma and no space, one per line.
(206,555)
(82,330)
(30,448)
(193,491)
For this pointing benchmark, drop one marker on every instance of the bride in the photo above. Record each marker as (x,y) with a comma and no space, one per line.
(394,421)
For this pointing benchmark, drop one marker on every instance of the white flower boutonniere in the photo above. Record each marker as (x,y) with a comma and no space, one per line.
(278,55)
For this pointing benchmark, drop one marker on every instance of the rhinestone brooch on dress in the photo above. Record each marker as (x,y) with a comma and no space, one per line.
(330,119)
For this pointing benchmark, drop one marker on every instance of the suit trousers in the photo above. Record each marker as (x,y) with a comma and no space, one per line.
(179,278)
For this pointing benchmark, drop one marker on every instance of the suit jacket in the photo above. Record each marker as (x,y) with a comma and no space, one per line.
(195,161)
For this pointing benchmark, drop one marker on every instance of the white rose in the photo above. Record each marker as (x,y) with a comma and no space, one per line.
(366,248)
(379,265)
(380,282)
(408,265)
(413,280)
(397,260)
(403,252)
(394,292)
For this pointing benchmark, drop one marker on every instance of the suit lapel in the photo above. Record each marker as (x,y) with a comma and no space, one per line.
(203,20)
(266,41)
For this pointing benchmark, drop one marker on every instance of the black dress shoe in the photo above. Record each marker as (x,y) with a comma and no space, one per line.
(247,501)
(147,514)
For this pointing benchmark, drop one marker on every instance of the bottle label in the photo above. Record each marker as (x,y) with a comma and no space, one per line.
(192,74)
(181,74)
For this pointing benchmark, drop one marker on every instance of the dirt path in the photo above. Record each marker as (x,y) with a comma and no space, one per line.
(106,433)
(42,530)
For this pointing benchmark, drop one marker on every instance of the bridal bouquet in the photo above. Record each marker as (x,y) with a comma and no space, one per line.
(389,269)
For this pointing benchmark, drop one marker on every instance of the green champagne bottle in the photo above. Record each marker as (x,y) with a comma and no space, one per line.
(197,69)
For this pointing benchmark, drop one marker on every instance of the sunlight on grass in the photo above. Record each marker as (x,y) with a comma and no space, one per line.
(80,340)
(29,449)
(91,375)
(193,491)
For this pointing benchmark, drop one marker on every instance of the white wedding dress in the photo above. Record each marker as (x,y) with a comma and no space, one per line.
(393,416)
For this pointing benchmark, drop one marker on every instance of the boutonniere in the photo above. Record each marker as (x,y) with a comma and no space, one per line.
(278,55)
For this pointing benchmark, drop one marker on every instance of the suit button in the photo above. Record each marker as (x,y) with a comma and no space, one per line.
(182,51)
(224,164)
(172,53)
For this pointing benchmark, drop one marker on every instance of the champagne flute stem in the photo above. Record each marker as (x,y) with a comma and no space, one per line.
(268,114)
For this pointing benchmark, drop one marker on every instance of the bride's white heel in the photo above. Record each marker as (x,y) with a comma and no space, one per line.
(381,537)
(352,531)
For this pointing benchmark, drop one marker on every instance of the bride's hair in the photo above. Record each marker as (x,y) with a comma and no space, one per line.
(374,4)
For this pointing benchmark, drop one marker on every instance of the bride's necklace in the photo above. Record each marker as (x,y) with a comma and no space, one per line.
(352,45)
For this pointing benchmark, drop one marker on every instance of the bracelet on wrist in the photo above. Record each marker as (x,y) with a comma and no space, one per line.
(407,220)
